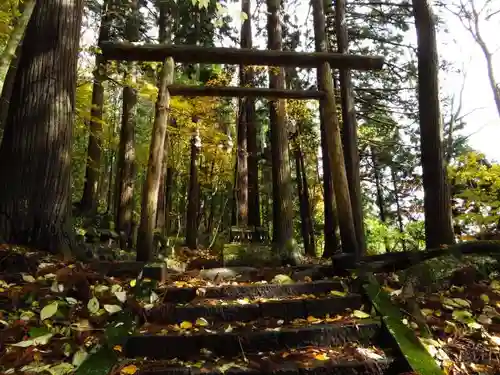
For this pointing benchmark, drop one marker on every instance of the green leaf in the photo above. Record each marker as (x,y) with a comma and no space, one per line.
(49,310)
(40,340)
(93,305)
(61,369)
(28,278)
(79,357)
(360,314)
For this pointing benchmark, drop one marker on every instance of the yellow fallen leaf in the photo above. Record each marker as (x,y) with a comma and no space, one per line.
(485,298)
(133,283)
(321,357)
(117,348)
(129,370)
(186,325)
(312,319)
(202,322)
(338,293)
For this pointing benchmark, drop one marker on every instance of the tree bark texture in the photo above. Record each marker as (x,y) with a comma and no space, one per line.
(438,220)
(349,127)
(35,202)
(193,205)
(157,152)
(333,142)
(126,151)
(90,197)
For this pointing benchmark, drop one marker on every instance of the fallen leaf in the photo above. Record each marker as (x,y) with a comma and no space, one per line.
(28,278)
(186,325)
(338,293)
(129,370)
(202,322)
(360,314)
(121,296)
(112,309)
(93,305)
(321,357)
(79,357)
(49,310)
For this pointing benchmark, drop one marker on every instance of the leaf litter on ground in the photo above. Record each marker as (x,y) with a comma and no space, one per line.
(464,321)
(53,315)
(267,362)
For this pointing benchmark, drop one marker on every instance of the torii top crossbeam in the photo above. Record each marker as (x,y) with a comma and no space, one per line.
(238,56)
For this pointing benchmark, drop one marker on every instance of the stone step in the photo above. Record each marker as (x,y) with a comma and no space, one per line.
(345,359)
(251,291)
(283,309)
(182,346)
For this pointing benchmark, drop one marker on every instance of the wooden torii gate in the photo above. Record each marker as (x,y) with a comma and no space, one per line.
(324,61)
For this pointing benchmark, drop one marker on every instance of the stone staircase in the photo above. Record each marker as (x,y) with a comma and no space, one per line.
(319,327)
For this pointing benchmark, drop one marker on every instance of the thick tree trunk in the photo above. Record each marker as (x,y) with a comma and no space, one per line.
(252,126)
(330,214)
(90,198)
(333,142)
(282,195)
(157,152)
(193,205)
(35,205)
(126,151)
(438,221)
(241,178)
(350,127)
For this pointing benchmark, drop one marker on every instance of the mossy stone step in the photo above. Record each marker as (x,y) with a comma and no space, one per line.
(284,309)
(234,343)
(186,295)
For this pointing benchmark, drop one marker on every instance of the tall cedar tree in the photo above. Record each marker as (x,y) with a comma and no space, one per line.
(438,221)
(282,195)
(330,222)
(35,189)
(125,180)
(333,142)
(350,126)
(90,196)
(242,173)
(251,121)
(157,151)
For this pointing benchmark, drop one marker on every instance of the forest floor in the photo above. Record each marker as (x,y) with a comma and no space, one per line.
(54,315)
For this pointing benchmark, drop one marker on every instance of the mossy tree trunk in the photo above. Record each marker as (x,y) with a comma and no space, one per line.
(333,142)
(157,151)
(349,127)
(282,195)
(35,207)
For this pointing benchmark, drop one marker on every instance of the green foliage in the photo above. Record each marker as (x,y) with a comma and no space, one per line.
(475,186)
